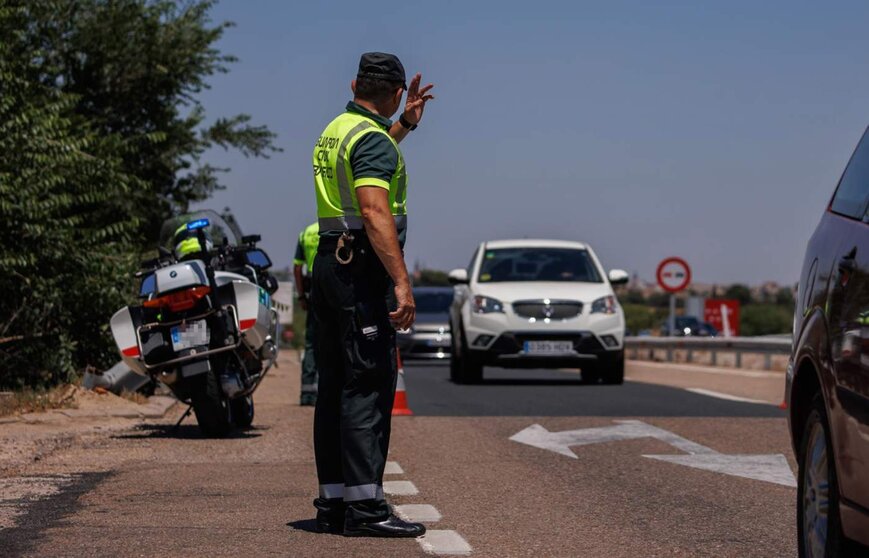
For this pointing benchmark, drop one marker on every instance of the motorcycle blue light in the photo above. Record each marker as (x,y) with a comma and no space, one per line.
(197,224)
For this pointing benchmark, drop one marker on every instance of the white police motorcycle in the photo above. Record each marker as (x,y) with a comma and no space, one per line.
(206,326)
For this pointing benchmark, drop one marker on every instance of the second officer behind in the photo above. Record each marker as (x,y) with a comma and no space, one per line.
(359,276)
(306,251)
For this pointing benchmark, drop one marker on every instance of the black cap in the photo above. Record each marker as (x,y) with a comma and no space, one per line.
(380,65)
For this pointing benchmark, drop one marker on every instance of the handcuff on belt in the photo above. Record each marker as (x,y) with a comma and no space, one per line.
(345,241)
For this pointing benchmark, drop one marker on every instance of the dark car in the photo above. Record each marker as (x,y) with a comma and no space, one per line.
(430,335)
(689,326)
(828,375)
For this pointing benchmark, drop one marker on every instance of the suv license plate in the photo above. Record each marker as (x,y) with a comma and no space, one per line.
(191,334)
(548,347)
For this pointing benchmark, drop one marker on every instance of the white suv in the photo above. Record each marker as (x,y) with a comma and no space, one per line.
(537,304)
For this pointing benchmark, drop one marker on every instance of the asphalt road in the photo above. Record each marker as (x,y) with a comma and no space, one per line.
(152,491)
(559,393)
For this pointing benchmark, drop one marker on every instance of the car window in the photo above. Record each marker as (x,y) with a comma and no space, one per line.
(432,303)
(537,264)
(852,194)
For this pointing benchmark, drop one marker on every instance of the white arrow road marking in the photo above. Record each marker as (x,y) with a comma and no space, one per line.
(560,442)
(772,468)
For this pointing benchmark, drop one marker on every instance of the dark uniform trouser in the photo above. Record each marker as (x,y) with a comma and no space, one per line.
(309,363)
(356,361)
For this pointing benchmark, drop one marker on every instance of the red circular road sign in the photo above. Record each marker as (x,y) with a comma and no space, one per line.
(673,274)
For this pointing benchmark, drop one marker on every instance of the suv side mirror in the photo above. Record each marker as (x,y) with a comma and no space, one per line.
(257,258)
(619,277)
(458,277)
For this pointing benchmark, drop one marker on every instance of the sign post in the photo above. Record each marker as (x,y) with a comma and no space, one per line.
(673,275)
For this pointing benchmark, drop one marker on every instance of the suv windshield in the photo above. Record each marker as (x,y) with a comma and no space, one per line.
(538,264)
(218,228)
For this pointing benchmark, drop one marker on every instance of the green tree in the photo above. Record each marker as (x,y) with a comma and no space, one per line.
(102,137)
(739,292)
(640,316)
(62,227)
(785,297)
(136,69)
(765,319)
(634,296)
(659,300)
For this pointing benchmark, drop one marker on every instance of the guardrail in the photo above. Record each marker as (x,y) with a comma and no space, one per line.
(738,346)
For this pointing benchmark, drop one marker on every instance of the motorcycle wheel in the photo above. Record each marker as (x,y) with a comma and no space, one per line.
(242,411)
(211,409)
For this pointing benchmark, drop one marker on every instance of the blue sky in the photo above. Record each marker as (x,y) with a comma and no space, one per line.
(711,131)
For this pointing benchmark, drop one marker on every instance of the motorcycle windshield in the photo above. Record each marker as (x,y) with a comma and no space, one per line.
(218,228)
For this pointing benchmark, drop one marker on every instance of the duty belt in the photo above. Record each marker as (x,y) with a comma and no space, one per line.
(343,246)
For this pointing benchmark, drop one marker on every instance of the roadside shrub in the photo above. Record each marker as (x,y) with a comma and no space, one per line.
(765,319)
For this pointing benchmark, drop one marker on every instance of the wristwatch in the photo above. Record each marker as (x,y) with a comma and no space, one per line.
(405,124)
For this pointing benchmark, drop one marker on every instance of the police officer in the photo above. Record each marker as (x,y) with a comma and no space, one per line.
(361,293)
(306,250)
(187,242)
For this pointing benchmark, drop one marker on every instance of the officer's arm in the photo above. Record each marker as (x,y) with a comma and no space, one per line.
(380,228)
(398,132)
(300,285)
(298,262)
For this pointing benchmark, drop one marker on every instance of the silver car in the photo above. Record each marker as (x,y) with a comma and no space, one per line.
(429,338)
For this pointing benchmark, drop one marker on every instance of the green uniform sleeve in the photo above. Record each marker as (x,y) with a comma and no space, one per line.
(299,258)
(373,160)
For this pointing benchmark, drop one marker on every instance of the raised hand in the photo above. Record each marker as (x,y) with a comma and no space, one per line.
(416,100)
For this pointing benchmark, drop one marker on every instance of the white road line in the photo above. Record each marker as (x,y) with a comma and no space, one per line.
(444,543)
(440,542)
(422,513)
(727,396)
(400,488)
(700,369)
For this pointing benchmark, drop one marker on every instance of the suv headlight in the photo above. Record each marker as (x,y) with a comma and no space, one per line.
(486,305)
(604,305)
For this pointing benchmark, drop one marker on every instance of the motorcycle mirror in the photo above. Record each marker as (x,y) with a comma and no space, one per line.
(251,239)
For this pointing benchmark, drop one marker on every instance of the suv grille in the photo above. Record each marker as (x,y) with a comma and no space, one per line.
(552,309)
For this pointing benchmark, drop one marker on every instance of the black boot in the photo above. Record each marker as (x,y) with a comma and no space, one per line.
(330,515)
(389,527)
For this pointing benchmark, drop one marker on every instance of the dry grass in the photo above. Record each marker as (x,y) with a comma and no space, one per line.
(135,397)
(32,401)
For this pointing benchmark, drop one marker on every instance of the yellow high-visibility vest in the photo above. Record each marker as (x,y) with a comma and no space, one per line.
(337,206)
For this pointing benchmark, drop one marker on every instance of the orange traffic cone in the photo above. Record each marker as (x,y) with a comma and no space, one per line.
(400,406)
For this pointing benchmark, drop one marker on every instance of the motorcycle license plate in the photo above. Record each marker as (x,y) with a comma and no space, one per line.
(548,347)
(189,335)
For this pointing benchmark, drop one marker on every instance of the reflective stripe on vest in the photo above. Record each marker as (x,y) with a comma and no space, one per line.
(337,205)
